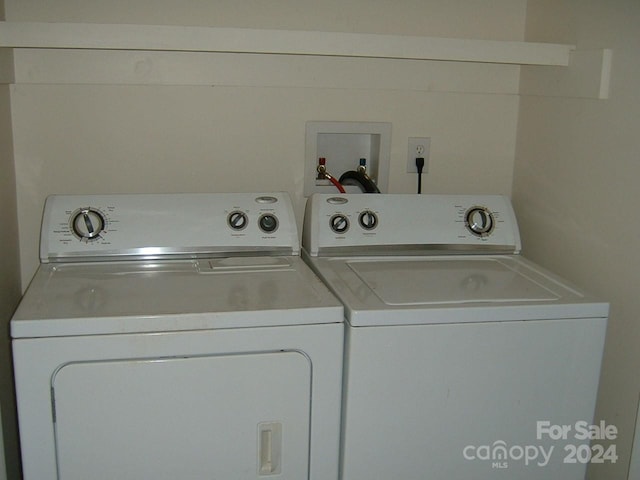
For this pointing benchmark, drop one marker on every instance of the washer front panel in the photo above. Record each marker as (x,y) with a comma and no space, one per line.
(417,396)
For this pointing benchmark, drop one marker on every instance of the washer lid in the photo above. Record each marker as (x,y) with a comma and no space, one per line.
(143,296)
(445,282)
(451,289)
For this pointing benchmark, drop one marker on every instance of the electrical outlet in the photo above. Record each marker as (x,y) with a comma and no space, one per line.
(418,147)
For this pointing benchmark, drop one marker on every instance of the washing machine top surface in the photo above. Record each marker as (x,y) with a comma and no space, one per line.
(410,259)
(161,263)
(442,281)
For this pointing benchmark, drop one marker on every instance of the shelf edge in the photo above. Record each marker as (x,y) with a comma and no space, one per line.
(287,42)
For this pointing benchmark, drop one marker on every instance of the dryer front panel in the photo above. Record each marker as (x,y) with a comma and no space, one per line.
(220,416)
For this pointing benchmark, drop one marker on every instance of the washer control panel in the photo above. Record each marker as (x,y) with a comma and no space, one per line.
(368,224)
(94,227)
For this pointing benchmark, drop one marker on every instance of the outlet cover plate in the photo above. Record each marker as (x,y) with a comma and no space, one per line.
(418,147)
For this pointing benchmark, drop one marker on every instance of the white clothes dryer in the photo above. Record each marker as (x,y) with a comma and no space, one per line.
(462,358)
(176,337)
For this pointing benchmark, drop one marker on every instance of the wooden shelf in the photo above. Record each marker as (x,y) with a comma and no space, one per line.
(560,69)
(283,42)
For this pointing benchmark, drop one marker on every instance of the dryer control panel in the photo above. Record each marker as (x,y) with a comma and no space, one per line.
(413,224)
(144,226)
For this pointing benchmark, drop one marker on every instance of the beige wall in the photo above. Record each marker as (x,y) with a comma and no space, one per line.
(9,283)
(9,278)
(162,122)
(576,189)
(491,19)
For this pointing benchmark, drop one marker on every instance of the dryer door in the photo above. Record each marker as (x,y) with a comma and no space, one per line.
(240,416)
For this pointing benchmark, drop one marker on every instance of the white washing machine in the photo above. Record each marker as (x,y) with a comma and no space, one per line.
(463,360)
(176,337)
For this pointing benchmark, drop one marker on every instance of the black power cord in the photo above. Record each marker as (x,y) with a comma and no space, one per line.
(420,167)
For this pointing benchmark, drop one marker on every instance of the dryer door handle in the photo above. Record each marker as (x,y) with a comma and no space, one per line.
(270,452)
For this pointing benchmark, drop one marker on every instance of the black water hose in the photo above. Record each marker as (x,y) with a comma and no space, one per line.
(360,179)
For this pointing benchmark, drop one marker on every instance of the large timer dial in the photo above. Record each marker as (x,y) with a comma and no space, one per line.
(479,221)
(88,223)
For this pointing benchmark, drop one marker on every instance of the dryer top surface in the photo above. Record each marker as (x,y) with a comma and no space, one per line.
(158,296)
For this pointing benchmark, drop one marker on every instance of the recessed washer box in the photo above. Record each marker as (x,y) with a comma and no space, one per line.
(343,144)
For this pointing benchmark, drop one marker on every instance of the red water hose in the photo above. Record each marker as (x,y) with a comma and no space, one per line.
(322,172)
(333,180)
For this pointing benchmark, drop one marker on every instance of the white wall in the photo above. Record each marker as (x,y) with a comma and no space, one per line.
(576,190)
(112,122)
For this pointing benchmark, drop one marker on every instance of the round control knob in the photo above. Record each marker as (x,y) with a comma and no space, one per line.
(479,221)
(339,223)
(368,220)
(268,223)
(237,220)
(88,223)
